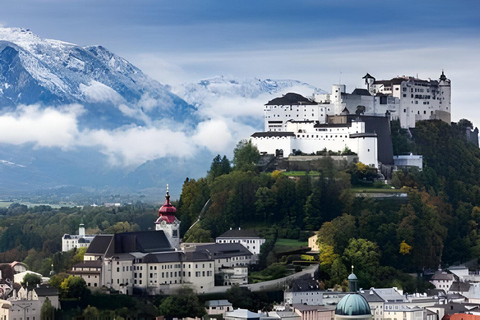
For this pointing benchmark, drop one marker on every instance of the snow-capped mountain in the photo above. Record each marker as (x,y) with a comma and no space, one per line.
(73,116)
(250,88)
(51,72)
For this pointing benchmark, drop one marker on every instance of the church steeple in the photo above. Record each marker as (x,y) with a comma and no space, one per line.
(168,222)
(352,282)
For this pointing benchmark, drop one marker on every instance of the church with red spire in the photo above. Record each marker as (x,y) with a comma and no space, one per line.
(168,222)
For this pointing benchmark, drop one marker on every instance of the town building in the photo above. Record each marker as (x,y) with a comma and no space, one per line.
(442,280)
(153,262)
(80,240)
(313,243)
(309,312)
(248,238)
(304,291)
(27,304)
(5,309)
(217,307)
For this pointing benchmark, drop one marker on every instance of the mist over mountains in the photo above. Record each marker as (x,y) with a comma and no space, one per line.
(85,117)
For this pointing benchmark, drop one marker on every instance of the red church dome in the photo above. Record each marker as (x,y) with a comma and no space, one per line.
(167,211)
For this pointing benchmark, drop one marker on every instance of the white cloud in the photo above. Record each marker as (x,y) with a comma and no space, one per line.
(127,146)
(135,145)
(3,24)
(47,127)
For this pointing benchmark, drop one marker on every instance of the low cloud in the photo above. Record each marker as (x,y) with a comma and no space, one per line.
(48,127)
(127,146)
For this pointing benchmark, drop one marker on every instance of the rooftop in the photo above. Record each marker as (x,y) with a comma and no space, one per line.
(291,99)
(239,233)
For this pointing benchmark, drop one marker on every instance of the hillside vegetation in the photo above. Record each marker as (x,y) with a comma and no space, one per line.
(384,239)
(438,224)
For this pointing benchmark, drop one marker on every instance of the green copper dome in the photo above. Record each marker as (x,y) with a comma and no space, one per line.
(353,305)
(352,276)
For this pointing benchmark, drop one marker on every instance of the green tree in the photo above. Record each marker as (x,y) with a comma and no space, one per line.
(47,311)
(245,156)
(197,234)
(91,313)
(181,305)
(219,166)
(365,256)
(338,272)
(31,280)
(74,288)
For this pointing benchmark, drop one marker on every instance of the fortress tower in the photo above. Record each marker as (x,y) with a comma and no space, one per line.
(168,222)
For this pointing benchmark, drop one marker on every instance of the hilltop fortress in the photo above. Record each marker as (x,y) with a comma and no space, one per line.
(357,122)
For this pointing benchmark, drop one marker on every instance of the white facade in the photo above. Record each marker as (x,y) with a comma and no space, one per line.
(419,99)
(276,116)
(215,307)
(442,280)
(310,138)
(171,230)
(396,311)
(80,240)
(340,102)
(131,271)
(252,244)
(234,275)
(311,297)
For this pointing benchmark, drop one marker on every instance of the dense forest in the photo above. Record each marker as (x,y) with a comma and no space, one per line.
(437,224)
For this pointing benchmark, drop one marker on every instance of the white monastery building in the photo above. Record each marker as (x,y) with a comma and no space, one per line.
(80,240)
(153,261)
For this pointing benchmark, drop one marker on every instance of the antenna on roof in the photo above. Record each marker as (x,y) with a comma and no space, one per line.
(340,78)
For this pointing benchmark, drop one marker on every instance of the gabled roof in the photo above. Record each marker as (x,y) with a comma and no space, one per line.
(460,286)
(99,244)
(439,275)
(88,264)
(305,283)
(223,250)
(175,256)
(273,134)
(140,241)
(45,290)
(290,99)
(361,92)
(217,303)
(372,296)
(389,294)
(235,233)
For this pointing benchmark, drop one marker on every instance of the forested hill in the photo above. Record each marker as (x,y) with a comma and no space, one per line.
(451,164)
(438,224)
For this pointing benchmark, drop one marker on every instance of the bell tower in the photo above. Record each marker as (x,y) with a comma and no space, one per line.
(168,222)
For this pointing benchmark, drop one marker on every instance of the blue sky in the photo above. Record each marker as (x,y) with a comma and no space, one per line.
(319,42)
